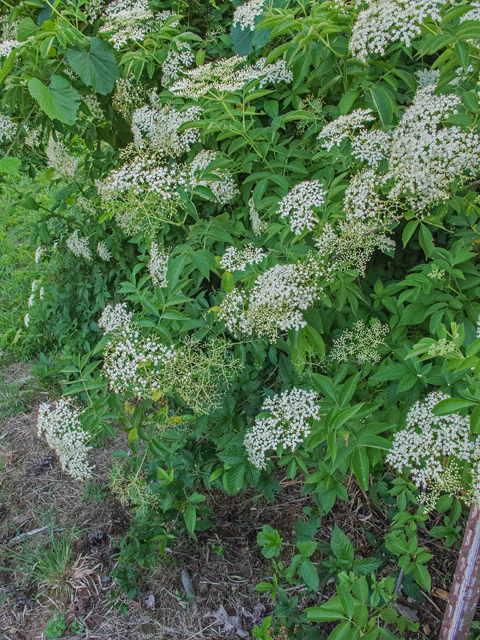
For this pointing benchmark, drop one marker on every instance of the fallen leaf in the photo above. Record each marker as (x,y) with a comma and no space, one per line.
(440,593)
(229,623)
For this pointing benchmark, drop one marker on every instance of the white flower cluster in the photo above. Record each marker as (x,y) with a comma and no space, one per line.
(424,160)
(31,300)
(359,343)
(352,244)
(237,259)
(426,77)
(33,137)
(473,14)
(132,362)
(386,21)
(461,74)
(342,127)
(288,424)
(297,205)
(225,75)
(271,73)
(93,9)
(159,125)
(38,254)
(158,265)
(93,105)
(59,159)
(245,14)
(8,36)
(115,317)
(64,434)
(428,441)
(258,225)
(224,189)
(103,252)
(128,96)
(276,300)
(8,128)
(130,21)
(141,190)
(177,59)
(79,246)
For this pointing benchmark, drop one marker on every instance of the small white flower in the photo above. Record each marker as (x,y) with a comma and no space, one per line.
(59,159)
(103,252)
(298,203)
(237,259)
(79,246)
(158,265)
(64,433)
(26,319)
(245,14)
(115,317)
(288,424)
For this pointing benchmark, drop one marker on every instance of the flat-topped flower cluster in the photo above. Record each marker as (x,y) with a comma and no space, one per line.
(63,432)
(430,444)
(287,423)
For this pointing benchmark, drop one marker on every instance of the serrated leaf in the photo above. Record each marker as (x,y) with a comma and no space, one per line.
(10,166)
(59,100)
(190,517)
(341,545)
(309,575)
(360,466)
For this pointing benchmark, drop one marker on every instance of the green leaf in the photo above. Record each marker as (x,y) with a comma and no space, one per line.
(190,517)
(26,28)
(341,545)
(462,49)
(97,67)
(59,100)
(426,240)
(10,166)
(409,231)
(241,41)
(383,104)
(307,548)
(422,577)
(475,420)
(309,575)
(204,261)
(451,405)
(323,614)
(343,632)
(360,466)
(346,599)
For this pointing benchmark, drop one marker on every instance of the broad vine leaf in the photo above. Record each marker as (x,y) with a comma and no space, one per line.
(59,100)
(241,40)
(10,166)
(97,67)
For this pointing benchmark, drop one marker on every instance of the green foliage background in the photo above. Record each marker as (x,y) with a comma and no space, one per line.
(267,138)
